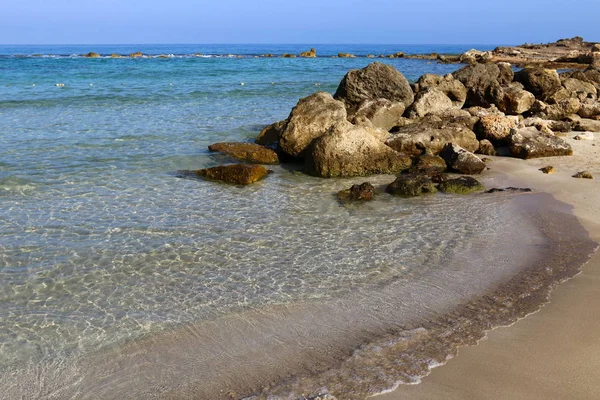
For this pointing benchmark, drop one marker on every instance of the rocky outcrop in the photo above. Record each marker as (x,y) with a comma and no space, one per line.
(249,152)
(91,54)
(382,113)
(461,160)
(363,192)
(238,174)
(269,136)
(137,54)
(461,185)
(451,87)
(542,82)
(411,185)
(577,89)
(375,81)
(348,150)
(530,143)
(311,118)
(495,128)
(312,53)
(475,56)
(483,83)
(429,101)
(346,55)
(422,137)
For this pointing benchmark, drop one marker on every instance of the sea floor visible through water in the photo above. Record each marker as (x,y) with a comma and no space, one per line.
(120,279)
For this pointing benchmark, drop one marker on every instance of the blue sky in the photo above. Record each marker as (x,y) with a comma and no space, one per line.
(287,21)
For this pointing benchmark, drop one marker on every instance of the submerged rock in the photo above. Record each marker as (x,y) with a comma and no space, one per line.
(530,143)
(249,152)
(363,192)
(461,160)
(375,81)
(239,174)
(411,185)
(269,136)
(461,185)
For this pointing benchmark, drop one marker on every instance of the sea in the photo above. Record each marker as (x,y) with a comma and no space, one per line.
(121,278)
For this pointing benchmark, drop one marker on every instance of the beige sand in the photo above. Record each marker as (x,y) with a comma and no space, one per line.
(554,353)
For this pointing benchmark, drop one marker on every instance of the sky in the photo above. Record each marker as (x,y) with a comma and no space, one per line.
(287,21)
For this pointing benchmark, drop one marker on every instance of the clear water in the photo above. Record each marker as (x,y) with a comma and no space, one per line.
(101,243)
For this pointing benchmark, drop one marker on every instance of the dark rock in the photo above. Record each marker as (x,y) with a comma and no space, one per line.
(543,83)
(375,81)
(461,185)
(584,175)
(549,169)
(249,152)
(311,118)
(482,82)
(239,174)
(288,55)
(348,150)
(421,137)
(461,160)
(486,148)
(411,185)
(530,143)
(362,192)
(269,136)
(509,189)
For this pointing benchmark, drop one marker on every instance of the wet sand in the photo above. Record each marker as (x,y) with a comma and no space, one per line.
(554,353)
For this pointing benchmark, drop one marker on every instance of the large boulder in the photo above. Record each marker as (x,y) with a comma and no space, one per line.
(589,108)
(461,160)
(269,136)
(411,185)
(516,100)
(530,143)
(495,128)
(382,113)
(348,150)
(249,152)
(422,137)
(451,87)
(311,118)
(483,84)
(238,174)
(375,81)
(543,83)
(429,101)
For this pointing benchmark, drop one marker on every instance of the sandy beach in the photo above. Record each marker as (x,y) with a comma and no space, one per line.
(554,353)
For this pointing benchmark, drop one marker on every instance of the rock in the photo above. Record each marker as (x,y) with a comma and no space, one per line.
(382,113)
(115,56)
(587,125)
(375,81)
(411,185)
(461,160)
(559,126)
(559,110)
(482,82)
(348,150)
(585,136)
(346,55)
(288,55)
(399,54)
(576,88)
(478,111)
(136,54)
(92,55)
(362,192)
(530,143)
(249,152)
(549,169)
(589,109)
(428,162)
(451,87)
(543,83)
(269,136)
(311,118)
(456,115)
(509,189)
(239,174)
(421,137)
(429,101)
(486,148)
(507,74)
(312,53)
(584,175)
(461,185)
(475,56)
(516,100)
(495,128)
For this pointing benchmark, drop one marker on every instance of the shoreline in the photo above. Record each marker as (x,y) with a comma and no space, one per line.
(554,352)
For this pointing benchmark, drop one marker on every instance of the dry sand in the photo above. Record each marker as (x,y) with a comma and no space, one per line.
(554,353)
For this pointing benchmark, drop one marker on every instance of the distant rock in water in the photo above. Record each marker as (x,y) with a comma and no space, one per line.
(91,55)
(239,174)
(346,55)
(248,152)
(312,53)
(136,54)
(363,192)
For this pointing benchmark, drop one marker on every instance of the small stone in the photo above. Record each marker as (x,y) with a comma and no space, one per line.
(509,189)
(363,192)
(585,136)
(548,169)
(584,175)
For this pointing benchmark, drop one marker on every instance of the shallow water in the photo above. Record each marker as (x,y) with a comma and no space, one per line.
(114,270)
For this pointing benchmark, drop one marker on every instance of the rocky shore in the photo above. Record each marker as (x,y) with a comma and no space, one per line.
(378,123)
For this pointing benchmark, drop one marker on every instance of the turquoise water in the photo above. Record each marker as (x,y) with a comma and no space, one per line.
(101,243)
